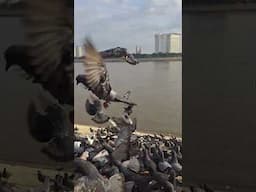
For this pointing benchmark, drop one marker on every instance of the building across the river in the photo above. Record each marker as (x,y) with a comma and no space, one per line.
(168,43)
(138,50)
(78,51)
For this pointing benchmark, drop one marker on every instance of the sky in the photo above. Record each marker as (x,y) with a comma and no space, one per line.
(125,23)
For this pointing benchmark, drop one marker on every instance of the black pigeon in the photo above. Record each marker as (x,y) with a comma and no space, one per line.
(48,54)
(6,174)
(41,178)
(18,55)
(53,129)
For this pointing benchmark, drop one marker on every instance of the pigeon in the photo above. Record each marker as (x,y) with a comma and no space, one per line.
(44,187)
(163,165)
(5,174)
(161,178)
(122,144)
(93,180)
(96,80)
(96,77)
(47,58)
(175,163)
(41,178)
(153,166)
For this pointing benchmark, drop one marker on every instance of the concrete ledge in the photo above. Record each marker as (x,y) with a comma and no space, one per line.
(220,7)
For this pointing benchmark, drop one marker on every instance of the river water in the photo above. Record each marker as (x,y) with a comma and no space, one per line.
(155,87)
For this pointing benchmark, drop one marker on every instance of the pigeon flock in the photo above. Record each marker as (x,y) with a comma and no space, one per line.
(110,159)
(115,158)
(118,159)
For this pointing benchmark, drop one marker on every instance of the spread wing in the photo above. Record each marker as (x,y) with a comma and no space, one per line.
(96,74)
(49,31)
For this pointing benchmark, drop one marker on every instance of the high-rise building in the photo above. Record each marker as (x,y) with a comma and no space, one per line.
(138,50)
(162,43)
(157,42)
(175,43)
(78,51)
(75,54)
(168,43)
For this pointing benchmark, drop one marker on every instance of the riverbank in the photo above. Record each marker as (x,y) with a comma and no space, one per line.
(84,130)
(150,59)
(25,177)
(130,158)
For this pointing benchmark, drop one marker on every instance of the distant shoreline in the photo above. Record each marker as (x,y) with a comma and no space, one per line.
(150,59)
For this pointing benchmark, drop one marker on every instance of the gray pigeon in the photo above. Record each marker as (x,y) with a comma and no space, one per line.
(93,180)
(96,80)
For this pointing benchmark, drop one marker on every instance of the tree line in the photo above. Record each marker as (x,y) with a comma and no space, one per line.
(155,55)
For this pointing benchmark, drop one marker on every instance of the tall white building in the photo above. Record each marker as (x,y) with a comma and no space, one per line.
(78,51)
(157,42)
(168,43)
(161,43)
(175,43)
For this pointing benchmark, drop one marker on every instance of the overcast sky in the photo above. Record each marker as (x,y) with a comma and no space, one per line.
(125,23)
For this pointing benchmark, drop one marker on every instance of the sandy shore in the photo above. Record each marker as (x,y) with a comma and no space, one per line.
(85,130)
(26,176)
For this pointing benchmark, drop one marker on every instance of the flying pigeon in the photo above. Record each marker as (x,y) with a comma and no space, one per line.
(96,80)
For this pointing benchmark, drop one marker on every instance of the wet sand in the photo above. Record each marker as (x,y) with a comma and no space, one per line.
(25,176)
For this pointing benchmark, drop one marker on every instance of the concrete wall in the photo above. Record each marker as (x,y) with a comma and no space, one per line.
(219,95)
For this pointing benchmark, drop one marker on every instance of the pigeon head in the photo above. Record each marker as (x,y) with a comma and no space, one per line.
(81,79)
(17,55)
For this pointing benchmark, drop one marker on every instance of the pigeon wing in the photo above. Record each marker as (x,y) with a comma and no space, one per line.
(96,74)
(49,32)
